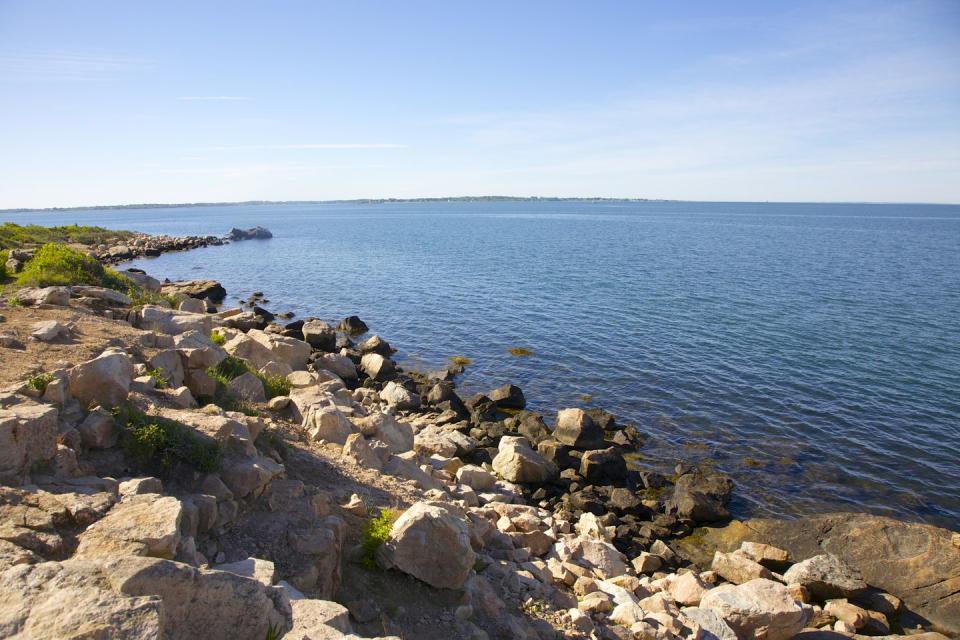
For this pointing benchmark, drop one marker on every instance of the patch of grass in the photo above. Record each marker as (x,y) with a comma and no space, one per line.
(40,381)
(218,339)
(374,533)
(157,444)
(275,385)
(14,235)
(60,265)
(140,296)
(461,361)
(3,265)
(273,632)
(232,367)
(519,351)
(159,380)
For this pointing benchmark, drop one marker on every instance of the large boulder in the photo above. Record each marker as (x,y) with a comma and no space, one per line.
(397,435)
(918,563)
(253,233)
(431,543)
(59,296)
(377,367)
(328,423)
(319,335)
(208,289)
(508,396)
(516,461)
(141,525)
(575,428)
(701,496)
(105,380)
(339,365)
(284,349)
(171,321)
(247,387)
(758,608)
(603,466)
(396,395)
(826,576)
(28,436)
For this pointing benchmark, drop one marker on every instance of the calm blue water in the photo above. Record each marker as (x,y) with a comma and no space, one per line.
(812,351)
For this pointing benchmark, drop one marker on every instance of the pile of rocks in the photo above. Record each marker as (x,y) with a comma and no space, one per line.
(541,527)
(144,245)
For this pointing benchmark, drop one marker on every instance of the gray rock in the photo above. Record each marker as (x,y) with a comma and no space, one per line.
(516,461)
(58,296)
(508,397)
(396,395)
(105,380)
(576,429)
(28,436)
(431,543)
(758,608)
(826,576)
(247,387)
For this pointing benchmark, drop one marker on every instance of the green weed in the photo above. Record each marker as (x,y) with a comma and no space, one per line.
(232,367)
(519,351)
(157,444)
(374,533)
(40,381)
(159,380)
(218,339)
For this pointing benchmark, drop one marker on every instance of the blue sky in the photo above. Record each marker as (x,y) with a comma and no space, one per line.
(117,102)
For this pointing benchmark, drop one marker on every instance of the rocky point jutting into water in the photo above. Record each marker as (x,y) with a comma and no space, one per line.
(204,472)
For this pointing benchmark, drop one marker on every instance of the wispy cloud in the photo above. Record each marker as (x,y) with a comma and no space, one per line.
(65,65)
(322,145)
(215,98)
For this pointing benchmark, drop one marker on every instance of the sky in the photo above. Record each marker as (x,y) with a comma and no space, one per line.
(112,102)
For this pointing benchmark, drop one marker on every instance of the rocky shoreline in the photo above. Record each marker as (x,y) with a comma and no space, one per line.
(198,470)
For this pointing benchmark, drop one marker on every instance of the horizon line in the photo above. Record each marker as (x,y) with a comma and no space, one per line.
(387,200)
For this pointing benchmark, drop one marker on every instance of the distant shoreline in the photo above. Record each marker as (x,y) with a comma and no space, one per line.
(180,205)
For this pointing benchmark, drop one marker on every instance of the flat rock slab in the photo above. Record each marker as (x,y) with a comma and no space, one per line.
(915,562)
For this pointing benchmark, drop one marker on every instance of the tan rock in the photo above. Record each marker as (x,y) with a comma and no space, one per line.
(143,525)
(758,607)
(28,436)
(105,380)
(431,543)
(737,567)
(516,461)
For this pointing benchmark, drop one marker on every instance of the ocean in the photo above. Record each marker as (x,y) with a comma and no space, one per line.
(812,351)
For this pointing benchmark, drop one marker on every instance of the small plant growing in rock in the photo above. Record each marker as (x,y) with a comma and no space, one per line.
(375,532)
(520,351)
(218,339)
(273,633)
(159,380)
(40,381)
(157,444)
(232,367)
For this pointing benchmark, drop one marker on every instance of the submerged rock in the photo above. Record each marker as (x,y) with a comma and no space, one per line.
(254,233)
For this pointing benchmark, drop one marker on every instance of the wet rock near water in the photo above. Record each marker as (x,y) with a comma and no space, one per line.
(254,233)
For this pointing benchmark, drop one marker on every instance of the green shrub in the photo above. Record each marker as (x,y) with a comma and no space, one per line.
(40,381)
(157,444)
(140,296)
(159,380)
(3,265)
(58,264)
(15,235)
(275,385)
(232,367)
(374,533)
(218,339)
